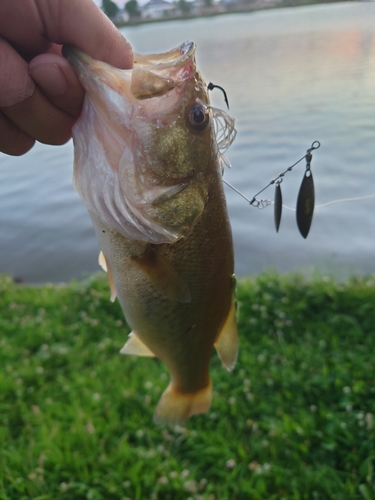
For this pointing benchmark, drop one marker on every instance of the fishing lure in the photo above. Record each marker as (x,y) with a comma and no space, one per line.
(305,199)
(306,195)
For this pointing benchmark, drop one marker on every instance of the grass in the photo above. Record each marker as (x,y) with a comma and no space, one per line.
(294,420)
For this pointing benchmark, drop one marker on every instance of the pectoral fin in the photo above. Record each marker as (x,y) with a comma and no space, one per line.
(105,266)
(136,347)
(162,275)
(227,343)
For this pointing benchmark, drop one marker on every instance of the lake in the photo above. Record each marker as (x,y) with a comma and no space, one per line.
(292,76)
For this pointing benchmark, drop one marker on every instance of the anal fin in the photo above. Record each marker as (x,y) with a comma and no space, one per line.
(106,267)
(136,347)
(162,275)
(227,342)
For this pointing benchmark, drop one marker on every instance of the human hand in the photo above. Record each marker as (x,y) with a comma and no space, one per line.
(40,96)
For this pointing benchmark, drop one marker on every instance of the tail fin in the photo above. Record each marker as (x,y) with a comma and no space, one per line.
(175,407)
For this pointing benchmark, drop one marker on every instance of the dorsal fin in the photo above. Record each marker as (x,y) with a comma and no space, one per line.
(136,347)
(227,342)
(106,267)
(162,275)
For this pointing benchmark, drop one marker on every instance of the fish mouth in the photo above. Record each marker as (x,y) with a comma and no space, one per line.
(151,76)
(157,74)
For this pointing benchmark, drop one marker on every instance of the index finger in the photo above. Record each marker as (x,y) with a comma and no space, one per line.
(31,26)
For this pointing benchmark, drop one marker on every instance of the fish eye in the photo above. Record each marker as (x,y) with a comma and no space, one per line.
(198,117)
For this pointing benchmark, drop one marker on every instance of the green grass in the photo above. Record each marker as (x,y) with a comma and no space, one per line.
(294,420)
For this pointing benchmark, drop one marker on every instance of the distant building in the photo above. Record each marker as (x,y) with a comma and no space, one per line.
(201,7)
(121,17)
(158,9)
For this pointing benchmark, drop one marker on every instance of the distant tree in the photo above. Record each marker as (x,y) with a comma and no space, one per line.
(184,6)
(109,8)
(132,8)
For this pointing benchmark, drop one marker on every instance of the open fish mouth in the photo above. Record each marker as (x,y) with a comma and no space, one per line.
(152,75)
(156,74)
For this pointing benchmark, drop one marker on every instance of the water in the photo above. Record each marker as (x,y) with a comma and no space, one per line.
(292,76)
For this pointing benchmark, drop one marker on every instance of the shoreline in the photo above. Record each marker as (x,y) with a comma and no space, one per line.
(241,9)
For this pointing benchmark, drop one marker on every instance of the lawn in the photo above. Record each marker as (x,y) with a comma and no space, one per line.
(294,420)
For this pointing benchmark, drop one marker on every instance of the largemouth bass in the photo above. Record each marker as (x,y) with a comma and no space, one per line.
(148,166)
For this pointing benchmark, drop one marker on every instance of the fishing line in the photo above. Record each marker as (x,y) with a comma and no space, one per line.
(340,200)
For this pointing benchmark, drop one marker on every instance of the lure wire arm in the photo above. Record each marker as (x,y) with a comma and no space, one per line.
(263,203)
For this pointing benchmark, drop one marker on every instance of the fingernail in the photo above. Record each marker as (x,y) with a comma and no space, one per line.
(49,78)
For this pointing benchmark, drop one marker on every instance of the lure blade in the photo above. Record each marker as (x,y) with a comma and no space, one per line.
(278,206)
(305,204)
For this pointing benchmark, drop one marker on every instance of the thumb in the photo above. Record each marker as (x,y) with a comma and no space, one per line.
(55,77)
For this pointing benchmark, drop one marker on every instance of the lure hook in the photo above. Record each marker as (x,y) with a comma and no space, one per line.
(211,86)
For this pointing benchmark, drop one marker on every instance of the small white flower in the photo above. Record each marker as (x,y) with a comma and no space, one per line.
(232,400)
(39,369)
(139,433)
(96,396)
(90,428)
(313,408)
(230,464)
(163,480)
(347,389)
(190,486)
(179,430)
(185,473)
(126,484)
(253,465)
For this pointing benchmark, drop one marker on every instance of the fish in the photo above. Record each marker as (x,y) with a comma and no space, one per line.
(148,164)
